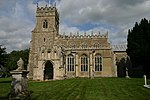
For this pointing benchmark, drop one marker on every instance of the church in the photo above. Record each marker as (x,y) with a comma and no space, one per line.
(56,56)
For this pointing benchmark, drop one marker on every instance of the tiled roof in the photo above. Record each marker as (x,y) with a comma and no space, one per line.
(119,47)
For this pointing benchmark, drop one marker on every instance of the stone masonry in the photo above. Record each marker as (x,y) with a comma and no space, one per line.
(56,56)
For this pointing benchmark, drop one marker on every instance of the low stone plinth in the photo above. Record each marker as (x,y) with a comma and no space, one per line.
(19,85)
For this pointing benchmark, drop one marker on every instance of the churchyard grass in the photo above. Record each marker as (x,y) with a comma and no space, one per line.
(4,86)
(84,89)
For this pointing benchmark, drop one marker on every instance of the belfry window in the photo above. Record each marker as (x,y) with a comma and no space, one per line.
(84,63)
(98,63)
(45,24)
(70,63)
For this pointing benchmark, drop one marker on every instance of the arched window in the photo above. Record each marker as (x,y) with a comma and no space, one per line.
(70,63)
(98,63)
(84,46)
(84,63)
(45,24)
(96,45)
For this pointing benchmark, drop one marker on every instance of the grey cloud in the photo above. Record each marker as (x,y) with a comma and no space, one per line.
(16,26)
(127,2)
(118,13)
(109,11)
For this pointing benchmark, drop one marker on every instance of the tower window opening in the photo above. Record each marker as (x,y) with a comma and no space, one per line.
(45,24)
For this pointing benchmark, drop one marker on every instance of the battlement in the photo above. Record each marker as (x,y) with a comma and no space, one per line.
(46,8)
(77,36)
(47,11)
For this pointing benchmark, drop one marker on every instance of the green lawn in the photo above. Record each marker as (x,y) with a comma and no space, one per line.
(85,89)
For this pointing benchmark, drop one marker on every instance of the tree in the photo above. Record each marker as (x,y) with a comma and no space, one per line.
(138,45)
(9,61)
(2,56)
(3,60)
(14,56)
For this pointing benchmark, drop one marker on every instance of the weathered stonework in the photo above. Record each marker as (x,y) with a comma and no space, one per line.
(49,51)
(19,86)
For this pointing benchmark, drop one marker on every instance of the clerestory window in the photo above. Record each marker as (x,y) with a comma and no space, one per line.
(96,45)
(84,46)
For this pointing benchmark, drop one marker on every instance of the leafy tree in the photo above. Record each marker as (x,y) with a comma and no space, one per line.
(2,56)
(3,60)
(9,61)
(14,56)
(138,47)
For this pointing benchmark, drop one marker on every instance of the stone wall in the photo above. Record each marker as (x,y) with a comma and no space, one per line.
(48,45)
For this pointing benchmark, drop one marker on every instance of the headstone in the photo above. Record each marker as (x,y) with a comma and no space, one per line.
(19,83)
(145,82)
(127,76)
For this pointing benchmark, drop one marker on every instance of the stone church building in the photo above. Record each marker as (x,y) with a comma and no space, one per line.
(56,56)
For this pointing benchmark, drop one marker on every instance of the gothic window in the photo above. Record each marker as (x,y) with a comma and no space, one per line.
(70,63)
(96,45)
(98,63)
(84,45)
(45,24)
(84,63)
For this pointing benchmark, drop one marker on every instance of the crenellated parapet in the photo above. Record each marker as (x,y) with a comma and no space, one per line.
(46,8)
(47,11)
(77,36)
(47,19)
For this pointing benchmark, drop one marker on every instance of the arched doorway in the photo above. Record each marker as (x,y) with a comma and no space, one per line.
(48,71)
(121,67)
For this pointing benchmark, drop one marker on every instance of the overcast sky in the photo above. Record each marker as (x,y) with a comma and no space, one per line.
(17,19)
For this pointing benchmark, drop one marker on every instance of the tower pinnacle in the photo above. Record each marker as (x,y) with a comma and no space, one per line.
(49,3)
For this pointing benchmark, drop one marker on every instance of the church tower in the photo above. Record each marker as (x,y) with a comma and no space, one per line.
(43,37)
(47,19)
(55,56)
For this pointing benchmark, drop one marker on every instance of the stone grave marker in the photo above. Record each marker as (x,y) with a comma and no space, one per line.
(19,83)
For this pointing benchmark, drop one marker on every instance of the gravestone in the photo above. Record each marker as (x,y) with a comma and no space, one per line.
(127,75)
(145,82)
(19,83)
